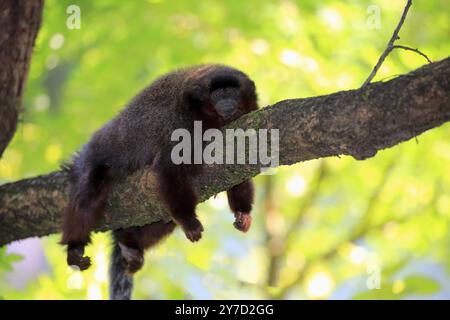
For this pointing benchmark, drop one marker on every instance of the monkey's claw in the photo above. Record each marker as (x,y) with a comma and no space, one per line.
(75,258)
(243,221)
(133,257)
(193,230)
(135,265)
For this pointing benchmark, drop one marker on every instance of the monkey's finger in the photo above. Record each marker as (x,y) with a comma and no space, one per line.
(193,229)
(133,257)
(85,263)
(243,221)
(194,236)
(81,263)
(135,265)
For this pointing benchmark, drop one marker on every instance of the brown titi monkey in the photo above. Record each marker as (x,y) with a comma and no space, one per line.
(140,136)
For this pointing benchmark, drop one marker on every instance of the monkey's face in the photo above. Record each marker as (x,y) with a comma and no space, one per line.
(224,103)
(219,99)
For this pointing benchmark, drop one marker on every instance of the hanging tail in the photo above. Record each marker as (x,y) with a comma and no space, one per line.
(121,283)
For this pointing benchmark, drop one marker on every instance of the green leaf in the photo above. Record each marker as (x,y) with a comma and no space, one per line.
(420,284)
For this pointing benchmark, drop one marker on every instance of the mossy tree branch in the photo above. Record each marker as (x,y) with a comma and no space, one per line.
(356,123)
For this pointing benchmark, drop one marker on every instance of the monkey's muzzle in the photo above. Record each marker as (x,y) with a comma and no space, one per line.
(226,108)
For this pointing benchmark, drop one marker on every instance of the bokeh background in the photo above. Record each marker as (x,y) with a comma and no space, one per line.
(328,228)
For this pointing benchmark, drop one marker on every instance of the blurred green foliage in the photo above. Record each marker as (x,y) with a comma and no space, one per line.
(322,229)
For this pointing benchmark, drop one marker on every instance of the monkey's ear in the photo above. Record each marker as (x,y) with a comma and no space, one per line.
(249,89)
(195,95)
(250,85)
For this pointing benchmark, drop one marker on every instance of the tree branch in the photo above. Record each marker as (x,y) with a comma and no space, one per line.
(398,46)
(390,45)
(356,123)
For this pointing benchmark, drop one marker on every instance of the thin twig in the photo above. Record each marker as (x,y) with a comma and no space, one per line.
(390,45)
(397,46)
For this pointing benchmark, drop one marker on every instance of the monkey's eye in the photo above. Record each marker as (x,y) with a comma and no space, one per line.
(223,81)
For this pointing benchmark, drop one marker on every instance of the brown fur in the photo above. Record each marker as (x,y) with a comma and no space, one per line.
(140,136)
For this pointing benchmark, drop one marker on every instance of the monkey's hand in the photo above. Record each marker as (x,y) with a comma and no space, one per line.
(242,221)
(75,257)
(133,257)
(192,229)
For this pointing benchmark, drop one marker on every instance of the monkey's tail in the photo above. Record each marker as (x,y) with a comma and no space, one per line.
(121,283)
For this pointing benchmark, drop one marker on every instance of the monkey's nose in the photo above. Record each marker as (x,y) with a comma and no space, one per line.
(226,107)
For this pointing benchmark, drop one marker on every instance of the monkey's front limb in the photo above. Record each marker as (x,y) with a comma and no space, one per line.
(240,199)
(177,193)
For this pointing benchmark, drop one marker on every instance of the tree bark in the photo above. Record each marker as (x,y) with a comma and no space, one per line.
(355,122)
(19,24)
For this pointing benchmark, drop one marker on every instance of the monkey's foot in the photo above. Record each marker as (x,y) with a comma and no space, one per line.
(75,258)
(133,257)
(243,221)
(193,229)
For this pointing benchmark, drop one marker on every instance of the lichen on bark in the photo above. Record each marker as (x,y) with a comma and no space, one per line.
(355,122)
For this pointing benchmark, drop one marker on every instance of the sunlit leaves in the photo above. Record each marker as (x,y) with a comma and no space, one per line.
(360,213)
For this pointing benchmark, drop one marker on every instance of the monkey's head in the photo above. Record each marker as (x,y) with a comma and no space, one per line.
(217,95)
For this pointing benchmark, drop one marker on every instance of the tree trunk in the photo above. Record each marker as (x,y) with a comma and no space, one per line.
(19,24)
